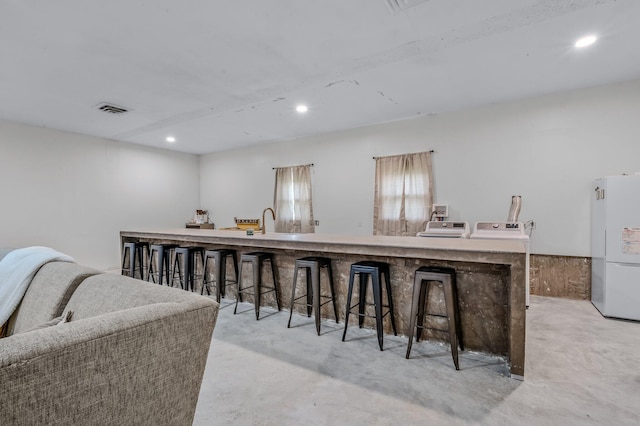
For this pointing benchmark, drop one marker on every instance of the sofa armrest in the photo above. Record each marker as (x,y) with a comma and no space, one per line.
(142,365)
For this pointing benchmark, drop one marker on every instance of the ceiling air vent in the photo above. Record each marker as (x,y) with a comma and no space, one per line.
(111,109)
(396,6)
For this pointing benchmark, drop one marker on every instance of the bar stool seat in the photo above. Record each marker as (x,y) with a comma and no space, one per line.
(134,251)
(185,265)
(312,267)
(377,271)
(163,254)
(424,276)
(219,258)
(257,260)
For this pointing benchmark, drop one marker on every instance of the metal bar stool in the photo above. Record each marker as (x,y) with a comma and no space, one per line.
(163,254)
(377,271)
(257,260)
(134,251)
(312,267)
(219,258)
(421,285)
(185,265)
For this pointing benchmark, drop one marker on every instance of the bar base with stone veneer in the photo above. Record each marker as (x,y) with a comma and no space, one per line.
(490,277)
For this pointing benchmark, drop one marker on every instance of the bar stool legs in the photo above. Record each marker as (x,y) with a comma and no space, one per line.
(134,250)
(312,266)
(257,260)
(424,276)
(185,265)
(163,254)
(219,258)
(377,271)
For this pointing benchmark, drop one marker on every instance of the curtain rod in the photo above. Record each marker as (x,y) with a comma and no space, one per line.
(375,158)
(302,165)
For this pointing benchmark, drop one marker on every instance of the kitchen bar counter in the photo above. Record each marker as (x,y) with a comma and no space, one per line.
(490,274)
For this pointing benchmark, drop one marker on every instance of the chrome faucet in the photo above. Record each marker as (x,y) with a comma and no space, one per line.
(273,213)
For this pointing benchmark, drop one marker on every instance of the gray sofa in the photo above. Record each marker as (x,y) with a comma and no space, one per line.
(133,353)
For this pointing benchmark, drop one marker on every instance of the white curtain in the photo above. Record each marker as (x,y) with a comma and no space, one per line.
(403,194)
(292,200)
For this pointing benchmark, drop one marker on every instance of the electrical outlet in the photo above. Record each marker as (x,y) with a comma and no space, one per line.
(316,222)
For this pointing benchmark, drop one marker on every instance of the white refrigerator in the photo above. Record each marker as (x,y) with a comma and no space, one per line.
(615,246)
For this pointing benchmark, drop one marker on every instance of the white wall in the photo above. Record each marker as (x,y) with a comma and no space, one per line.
(76,193)
(547,149)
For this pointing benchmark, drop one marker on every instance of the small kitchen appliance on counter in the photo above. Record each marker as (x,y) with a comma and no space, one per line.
(445,229)
(244,225)
(200,220)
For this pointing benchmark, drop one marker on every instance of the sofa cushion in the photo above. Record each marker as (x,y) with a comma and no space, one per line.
(48,294)
(104,293)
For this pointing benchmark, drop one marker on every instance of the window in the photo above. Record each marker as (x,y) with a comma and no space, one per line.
(292,200)
(403,194)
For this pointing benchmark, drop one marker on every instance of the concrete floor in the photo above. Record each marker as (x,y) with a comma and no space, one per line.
(581,369)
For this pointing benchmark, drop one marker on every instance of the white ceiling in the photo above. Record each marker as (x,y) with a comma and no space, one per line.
(222,75)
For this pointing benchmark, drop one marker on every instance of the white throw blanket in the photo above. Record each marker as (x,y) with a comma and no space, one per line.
(17,269)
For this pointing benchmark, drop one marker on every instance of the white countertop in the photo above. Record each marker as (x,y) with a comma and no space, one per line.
(454,244)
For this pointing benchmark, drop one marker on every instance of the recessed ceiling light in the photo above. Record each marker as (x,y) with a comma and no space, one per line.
(170,139)
(586,41)
(301,109)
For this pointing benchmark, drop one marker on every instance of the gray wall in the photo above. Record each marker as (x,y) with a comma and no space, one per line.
(75,193)
(547,149)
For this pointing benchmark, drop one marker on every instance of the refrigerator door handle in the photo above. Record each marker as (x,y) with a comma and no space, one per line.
(599,193)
